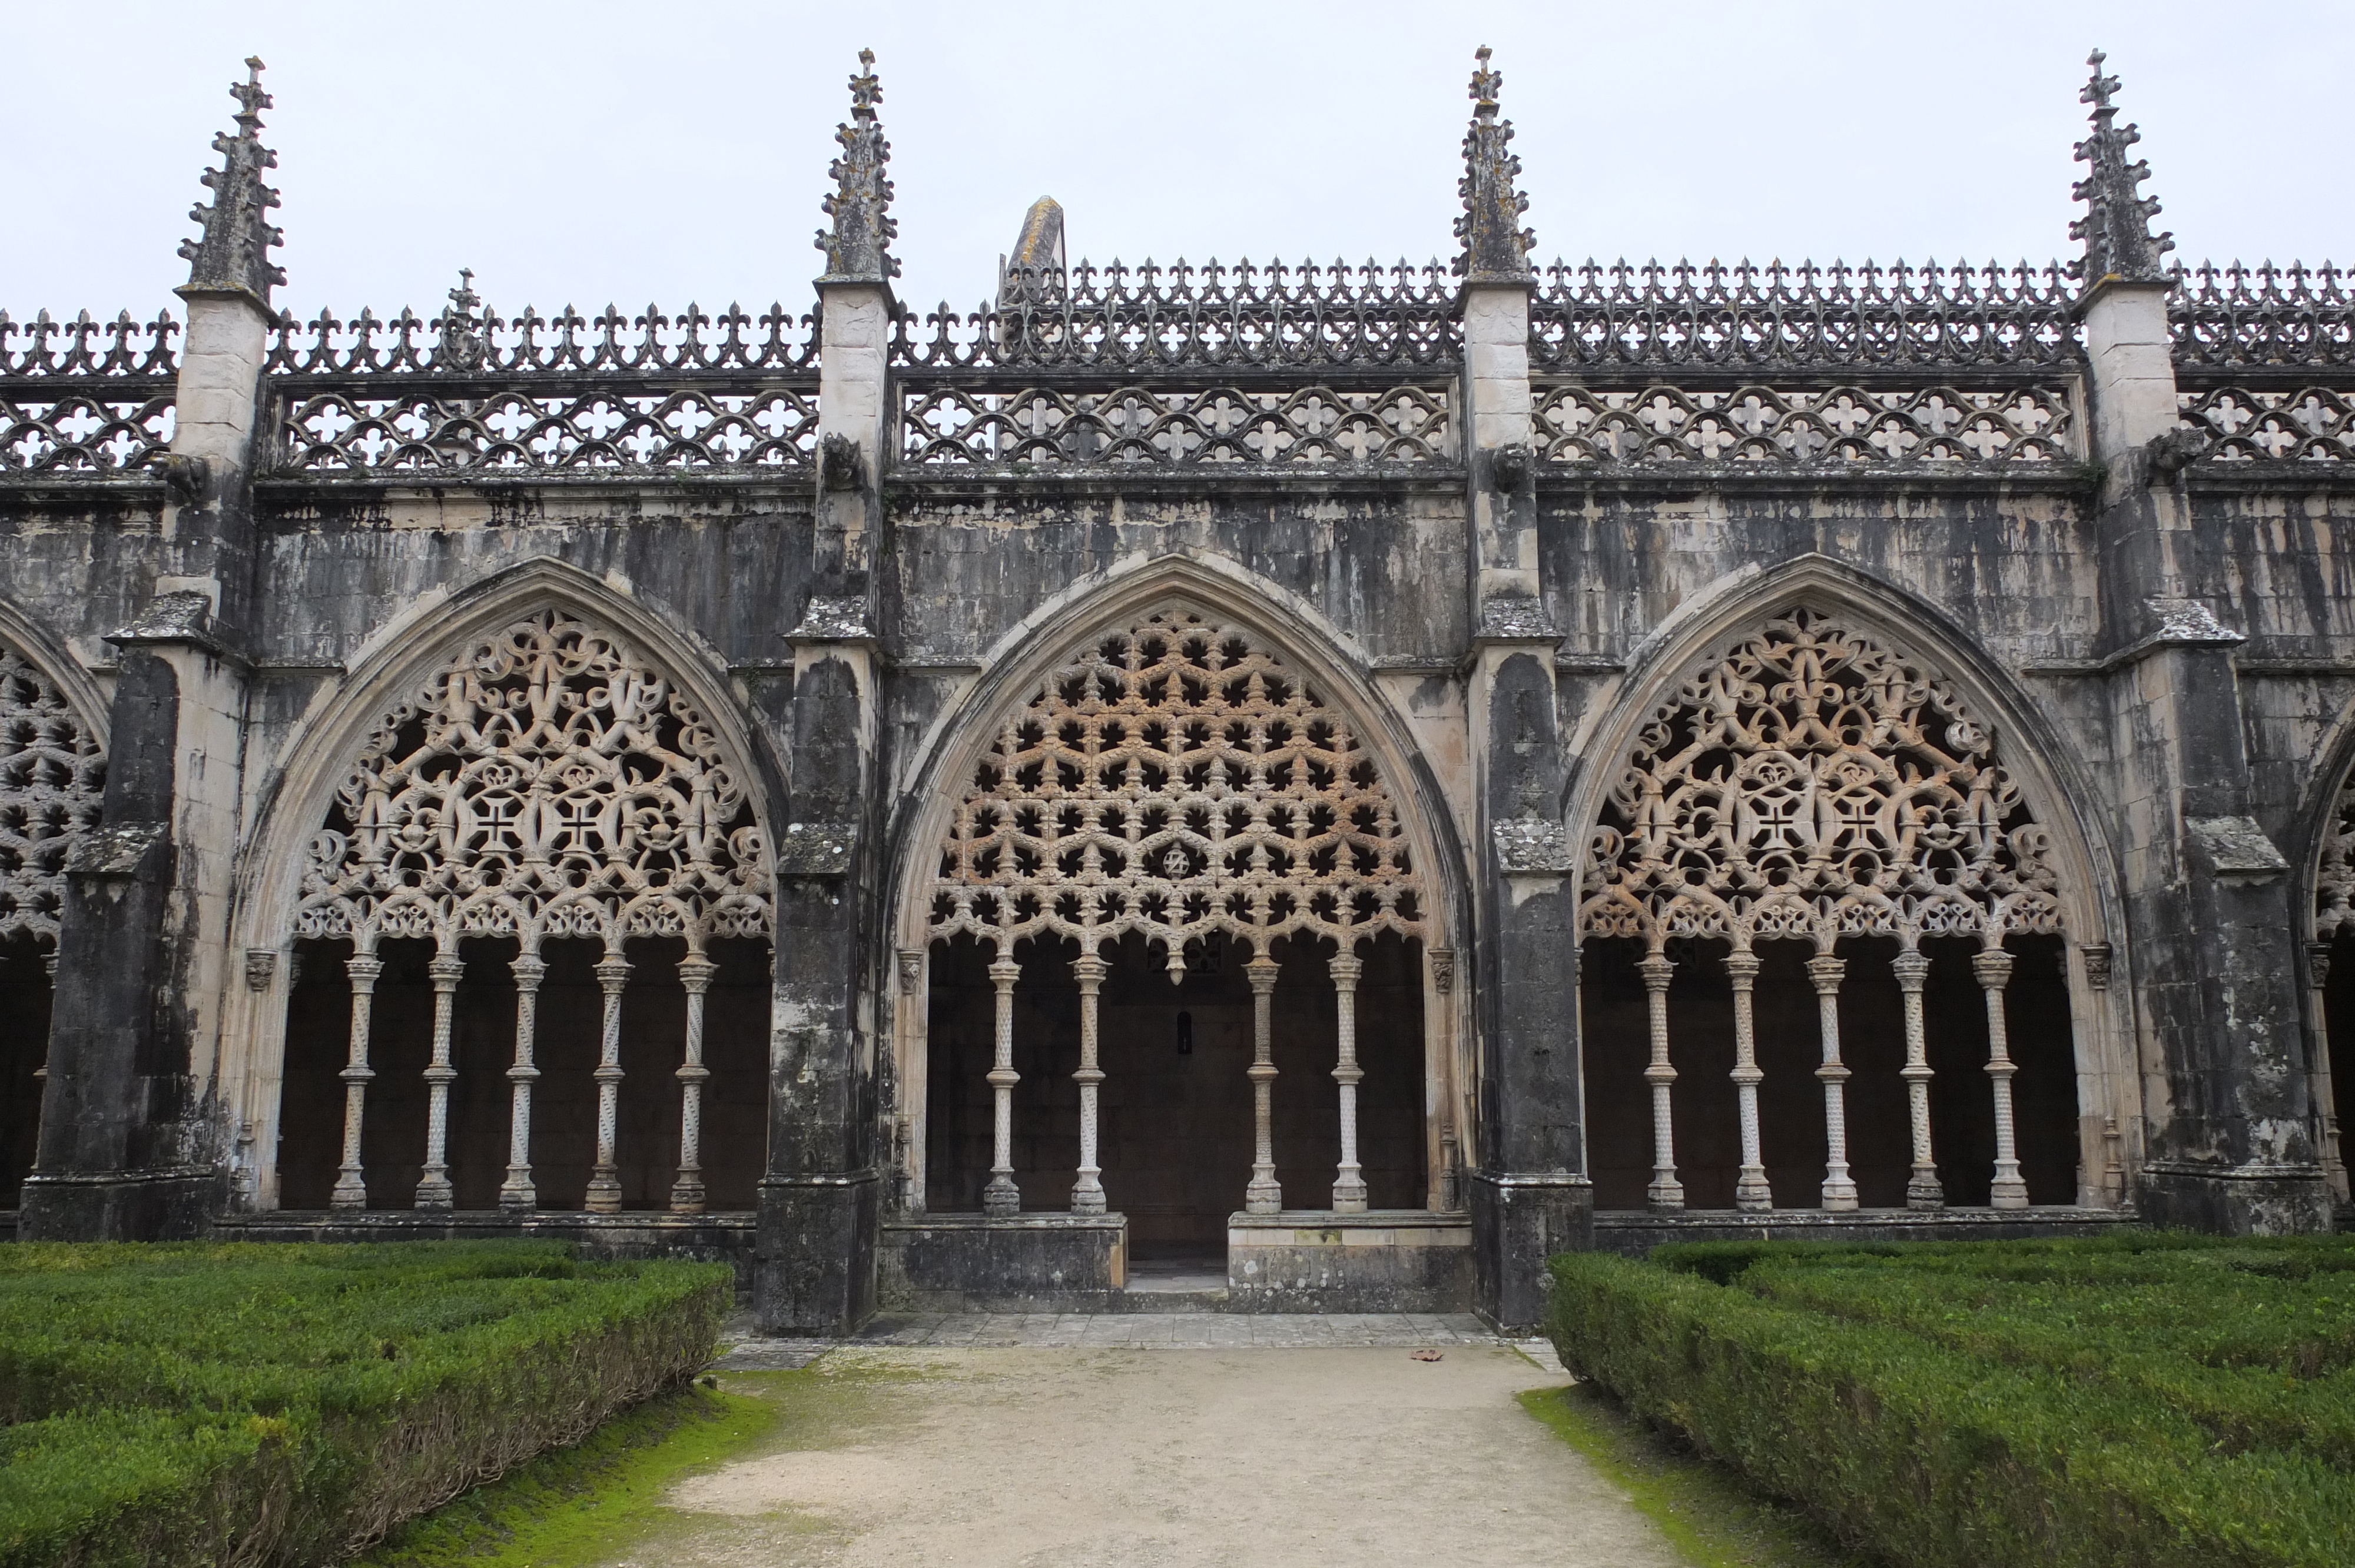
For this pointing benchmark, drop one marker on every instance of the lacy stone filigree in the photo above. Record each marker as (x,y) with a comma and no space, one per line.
(1165,426)
(548,782)
(1809,783)
(2334,881)
(1790,426)
(52,775)
(1175,779)
(2245,424)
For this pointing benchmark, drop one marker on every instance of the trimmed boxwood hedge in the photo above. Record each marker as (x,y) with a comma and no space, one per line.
(2132,1401)
(286,1404)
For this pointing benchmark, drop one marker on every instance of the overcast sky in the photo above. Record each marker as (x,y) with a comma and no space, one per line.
(591,151)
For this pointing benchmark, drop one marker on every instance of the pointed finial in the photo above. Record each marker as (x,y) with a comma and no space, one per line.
(2115,229)
(233,251)
(858,249)
(1496,247)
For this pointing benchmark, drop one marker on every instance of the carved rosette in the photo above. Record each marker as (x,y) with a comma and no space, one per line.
(1174,779)
(1810,781)
(547,782)
(52,777)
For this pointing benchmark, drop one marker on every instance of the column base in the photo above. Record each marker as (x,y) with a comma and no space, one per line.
(1519,1221)
(2235,1200)
(119,1205)
(813,1253)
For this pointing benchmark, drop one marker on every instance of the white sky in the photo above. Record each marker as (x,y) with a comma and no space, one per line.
(591,151)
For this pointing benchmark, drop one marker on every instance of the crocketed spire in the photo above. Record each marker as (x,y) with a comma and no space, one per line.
(2115,229)
(858,250)
(1496,247)
(233,251)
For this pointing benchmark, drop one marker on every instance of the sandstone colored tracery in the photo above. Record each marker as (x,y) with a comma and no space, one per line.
(52,776)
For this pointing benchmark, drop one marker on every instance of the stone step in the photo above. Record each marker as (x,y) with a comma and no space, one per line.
(1155,1296)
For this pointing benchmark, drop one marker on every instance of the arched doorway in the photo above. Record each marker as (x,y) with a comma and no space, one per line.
(1822,963)
(532,947)
(1176,950)
(52,781)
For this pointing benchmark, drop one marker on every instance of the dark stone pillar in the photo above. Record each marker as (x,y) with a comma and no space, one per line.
(113,1163)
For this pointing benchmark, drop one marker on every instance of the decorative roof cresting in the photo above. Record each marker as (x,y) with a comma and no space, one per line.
(1496,247)
(233,252)
(858,249)
(2119,245)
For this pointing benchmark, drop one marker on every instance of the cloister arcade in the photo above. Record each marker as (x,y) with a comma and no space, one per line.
(1179,954)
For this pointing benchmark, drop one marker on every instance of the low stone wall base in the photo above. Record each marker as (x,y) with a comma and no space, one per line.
(1396,1260)
(1020,1262)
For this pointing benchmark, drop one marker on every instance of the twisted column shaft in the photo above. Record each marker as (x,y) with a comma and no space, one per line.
(605,1182)
(1993,968)
(1087,1192)
(1749,1188)
(351,1184)
(1263,1195)
(694,972)
(1665,1192)
(517,1191)
(1840,1187)
(1349,1181)
(1921,1188)
(1002,1196)
(433,1191)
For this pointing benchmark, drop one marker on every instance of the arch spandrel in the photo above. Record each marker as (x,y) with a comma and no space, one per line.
(1174,777)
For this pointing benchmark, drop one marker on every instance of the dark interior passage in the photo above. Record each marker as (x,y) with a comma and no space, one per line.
(567,1043)
(24,1046)
(1617,1035)
(1175,1110)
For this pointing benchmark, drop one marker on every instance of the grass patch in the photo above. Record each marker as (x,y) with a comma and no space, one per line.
(2135,1401)
(269,1403)
(1707,1512)
(582,1504)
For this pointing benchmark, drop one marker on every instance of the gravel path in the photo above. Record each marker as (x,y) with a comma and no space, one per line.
(1343,1449)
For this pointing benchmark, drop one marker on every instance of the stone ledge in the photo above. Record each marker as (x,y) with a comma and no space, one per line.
(1636,1231)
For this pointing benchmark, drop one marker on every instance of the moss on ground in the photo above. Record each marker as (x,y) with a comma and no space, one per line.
(1706,1510)
(604,1498)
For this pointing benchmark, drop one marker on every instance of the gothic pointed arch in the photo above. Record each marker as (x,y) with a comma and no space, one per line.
(52,784)
(1817,801)
(540,758)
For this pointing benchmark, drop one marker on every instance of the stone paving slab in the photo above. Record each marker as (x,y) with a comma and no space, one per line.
(746,1351)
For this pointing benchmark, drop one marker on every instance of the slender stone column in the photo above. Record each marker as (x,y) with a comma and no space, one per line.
(434,1183)
(2326,1097)
(1922,1189)
(351,1184)
(1348,1181)
(1750,1188)
(1665,1192)
(1088,1193)
(517,1191)
(605,1182)
(694,972)
(1993,968)
(1002,1196)
(1840,1187)
(1263,1196)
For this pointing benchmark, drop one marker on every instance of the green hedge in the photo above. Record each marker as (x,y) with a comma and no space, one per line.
(2128,1402)
(286,1404)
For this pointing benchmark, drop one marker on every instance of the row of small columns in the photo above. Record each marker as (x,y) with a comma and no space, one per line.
(1261,1195)
(1992,967)
(604,1196)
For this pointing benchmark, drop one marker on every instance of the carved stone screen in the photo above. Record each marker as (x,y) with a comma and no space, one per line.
(550,804)
(52,778)
(1173,799)
(1814,812)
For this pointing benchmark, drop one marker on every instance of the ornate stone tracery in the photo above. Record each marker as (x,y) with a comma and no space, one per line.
(1811,783)
(548,782)
(2334,880)
(1174,779)
(52,777)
